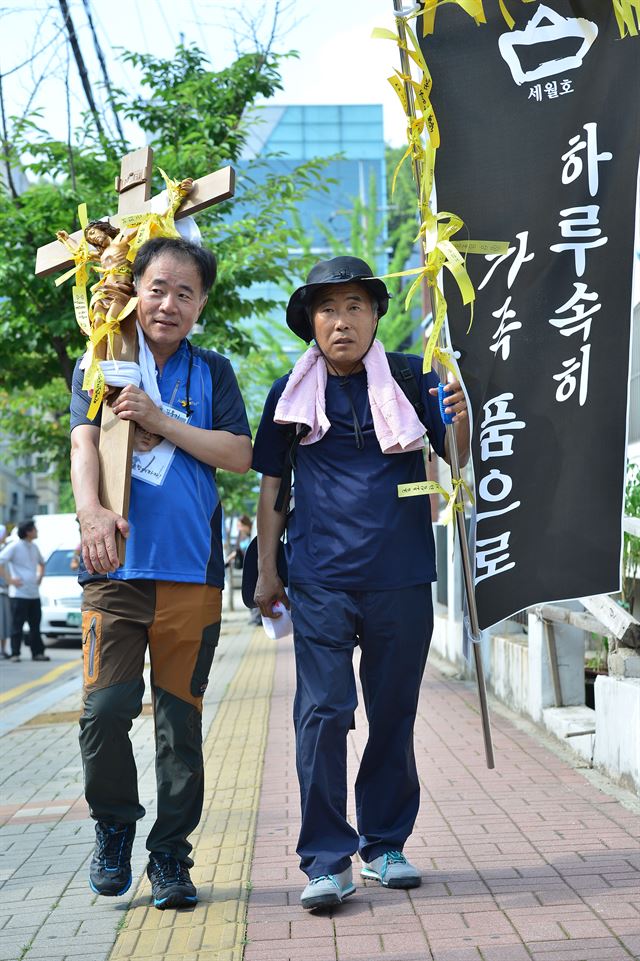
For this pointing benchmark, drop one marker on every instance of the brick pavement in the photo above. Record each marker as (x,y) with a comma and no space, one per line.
(47,911)
(530,862)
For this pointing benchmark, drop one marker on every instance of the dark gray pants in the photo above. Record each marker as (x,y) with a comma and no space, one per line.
(26,609)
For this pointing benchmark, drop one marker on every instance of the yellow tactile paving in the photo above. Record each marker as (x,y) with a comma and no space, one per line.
(223,843)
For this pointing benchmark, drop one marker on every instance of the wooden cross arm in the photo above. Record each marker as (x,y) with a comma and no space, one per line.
(616,620)
(207,191)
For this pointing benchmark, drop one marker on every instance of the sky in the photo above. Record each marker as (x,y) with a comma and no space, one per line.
(338,63)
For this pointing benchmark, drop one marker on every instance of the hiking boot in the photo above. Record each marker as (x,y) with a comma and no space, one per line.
(327,890)
(110,868)
(171,885)
(392,870)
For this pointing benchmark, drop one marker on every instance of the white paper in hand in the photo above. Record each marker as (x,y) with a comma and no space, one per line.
(278,626)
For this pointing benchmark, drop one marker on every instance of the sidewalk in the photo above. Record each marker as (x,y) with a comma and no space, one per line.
(535,861)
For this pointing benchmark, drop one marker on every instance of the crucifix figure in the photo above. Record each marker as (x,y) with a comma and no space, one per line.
(134,190)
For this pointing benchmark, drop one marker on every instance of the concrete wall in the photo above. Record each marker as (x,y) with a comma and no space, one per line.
(617,742)
(517,672)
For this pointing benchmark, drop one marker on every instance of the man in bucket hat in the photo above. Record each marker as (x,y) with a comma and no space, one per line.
(360,567)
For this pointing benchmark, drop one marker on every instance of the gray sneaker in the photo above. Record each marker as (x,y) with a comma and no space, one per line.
(392,870)
(328,890)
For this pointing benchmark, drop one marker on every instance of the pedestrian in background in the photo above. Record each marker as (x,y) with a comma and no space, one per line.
(22,567)
(5,608)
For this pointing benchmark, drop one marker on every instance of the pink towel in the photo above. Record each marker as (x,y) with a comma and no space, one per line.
(395,421)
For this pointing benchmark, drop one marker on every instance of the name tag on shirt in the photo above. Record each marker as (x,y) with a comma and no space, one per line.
(152,466)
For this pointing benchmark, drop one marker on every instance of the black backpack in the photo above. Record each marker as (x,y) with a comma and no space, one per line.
(402,374)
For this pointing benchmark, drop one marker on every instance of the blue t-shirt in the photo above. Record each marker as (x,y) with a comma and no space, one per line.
(176,529)
(349,530)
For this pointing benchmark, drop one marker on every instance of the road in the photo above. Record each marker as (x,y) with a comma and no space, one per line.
(31,687)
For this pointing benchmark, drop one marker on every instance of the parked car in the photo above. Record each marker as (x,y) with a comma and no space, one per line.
(61,595)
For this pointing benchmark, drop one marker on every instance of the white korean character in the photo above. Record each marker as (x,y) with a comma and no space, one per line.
(580,222)
(489,493)
(551,89)
(487,563)
(535,93)
(520,259)
(496,437)
(566,86)
(567,380)
(573,161)
(502,335)
(581,319)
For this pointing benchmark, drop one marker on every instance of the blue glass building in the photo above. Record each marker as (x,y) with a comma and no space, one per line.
(352,134)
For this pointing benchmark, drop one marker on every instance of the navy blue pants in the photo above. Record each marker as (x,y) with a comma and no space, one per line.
(393,630)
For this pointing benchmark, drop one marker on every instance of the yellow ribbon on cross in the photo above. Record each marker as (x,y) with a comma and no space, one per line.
(93,380)
(153,224)
(82,257)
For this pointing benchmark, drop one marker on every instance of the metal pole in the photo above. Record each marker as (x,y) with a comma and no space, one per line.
(452,447)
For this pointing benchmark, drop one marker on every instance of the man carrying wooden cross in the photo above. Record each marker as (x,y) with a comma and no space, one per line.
(168,593)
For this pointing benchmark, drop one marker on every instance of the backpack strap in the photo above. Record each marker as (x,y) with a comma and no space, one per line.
(284,490)
(406,379)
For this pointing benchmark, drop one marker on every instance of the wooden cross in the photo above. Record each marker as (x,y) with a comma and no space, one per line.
(134,189)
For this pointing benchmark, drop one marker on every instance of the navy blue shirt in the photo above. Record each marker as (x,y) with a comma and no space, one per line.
(176,528)
(349,530)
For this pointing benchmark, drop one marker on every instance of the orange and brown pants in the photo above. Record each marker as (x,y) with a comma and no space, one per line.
(180,624)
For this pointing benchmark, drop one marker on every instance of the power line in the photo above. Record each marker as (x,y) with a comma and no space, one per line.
(82,69)
(170,31)
(198,24)
(105,72)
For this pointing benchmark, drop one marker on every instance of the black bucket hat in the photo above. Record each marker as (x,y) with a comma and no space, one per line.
(250,571)
(339,270)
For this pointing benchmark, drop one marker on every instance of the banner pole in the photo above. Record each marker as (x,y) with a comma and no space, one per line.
(452,445)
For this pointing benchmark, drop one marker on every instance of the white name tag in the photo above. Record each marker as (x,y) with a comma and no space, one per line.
(152,466)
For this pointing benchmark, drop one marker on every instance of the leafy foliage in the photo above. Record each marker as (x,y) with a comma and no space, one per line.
(196,120)
(631,547)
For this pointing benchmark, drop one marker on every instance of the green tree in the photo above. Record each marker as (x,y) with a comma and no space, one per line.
(196,119)
(631,546)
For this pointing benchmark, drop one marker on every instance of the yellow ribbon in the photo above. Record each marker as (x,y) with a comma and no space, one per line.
(627,13)
(155,225)
(445,359)
(82,257)
(93,379)
(80,252)
(81,309)
(455,498)
(98,392)
(436,231)
(474,8)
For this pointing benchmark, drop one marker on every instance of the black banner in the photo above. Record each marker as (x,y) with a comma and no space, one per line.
(540,138)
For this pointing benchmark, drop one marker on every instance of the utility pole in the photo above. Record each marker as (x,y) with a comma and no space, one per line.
(82,70)
(103,67)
